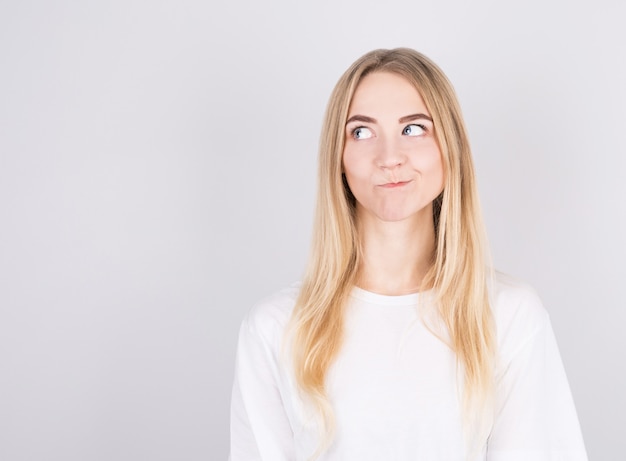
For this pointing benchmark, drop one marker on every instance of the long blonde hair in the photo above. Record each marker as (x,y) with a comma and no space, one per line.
(458,275)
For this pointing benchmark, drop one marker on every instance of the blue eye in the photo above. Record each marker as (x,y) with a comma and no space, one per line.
(361,133)
(413,130)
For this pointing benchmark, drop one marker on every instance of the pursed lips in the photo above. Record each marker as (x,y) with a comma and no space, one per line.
(394,185)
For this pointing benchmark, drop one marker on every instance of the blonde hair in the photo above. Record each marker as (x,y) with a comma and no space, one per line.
(458,274)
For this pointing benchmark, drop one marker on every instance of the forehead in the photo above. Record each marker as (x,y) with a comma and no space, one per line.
(386,93)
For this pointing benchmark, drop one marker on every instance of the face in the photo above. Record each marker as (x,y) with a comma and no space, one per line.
(391,158)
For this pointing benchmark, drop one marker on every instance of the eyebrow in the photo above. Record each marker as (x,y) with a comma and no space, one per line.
(410,118)
(406,118)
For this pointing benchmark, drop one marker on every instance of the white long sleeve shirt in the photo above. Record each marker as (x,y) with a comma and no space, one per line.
(394,387)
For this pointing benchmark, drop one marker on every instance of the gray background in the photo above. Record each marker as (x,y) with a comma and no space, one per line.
(157,168)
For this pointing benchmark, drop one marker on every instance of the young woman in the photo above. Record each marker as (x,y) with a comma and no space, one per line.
(400,344)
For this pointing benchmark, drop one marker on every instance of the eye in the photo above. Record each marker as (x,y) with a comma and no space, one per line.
(361,133)
(413,130)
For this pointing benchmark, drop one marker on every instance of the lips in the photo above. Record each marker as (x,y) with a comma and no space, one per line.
(394,185)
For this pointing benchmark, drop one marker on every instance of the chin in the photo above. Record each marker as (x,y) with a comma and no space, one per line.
(399,215)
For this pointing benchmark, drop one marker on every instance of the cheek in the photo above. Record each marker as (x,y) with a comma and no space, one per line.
(356,177)
(431,164)
(354,164)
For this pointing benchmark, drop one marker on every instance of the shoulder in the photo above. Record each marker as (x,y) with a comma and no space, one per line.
(268,318)
(518,311)
(513,299)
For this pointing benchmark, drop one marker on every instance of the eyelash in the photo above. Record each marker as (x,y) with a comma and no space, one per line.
(422,127)
(353,131)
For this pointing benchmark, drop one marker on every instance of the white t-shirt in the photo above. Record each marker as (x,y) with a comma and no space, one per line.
(394,386)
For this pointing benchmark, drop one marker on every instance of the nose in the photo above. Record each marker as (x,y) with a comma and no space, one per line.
(390,155)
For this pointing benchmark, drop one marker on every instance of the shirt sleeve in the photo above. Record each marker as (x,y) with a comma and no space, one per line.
(535,417)
(259,427)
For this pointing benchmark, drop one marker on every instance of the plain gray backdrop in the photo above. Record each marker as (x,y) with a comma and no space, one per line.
(157,171)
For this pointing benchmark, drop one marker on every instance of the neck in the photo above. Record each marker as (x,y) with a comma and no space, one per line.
(396,255)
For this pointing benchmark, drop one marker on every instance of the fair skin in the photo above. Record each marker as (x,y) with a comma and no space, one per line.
(393,166)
